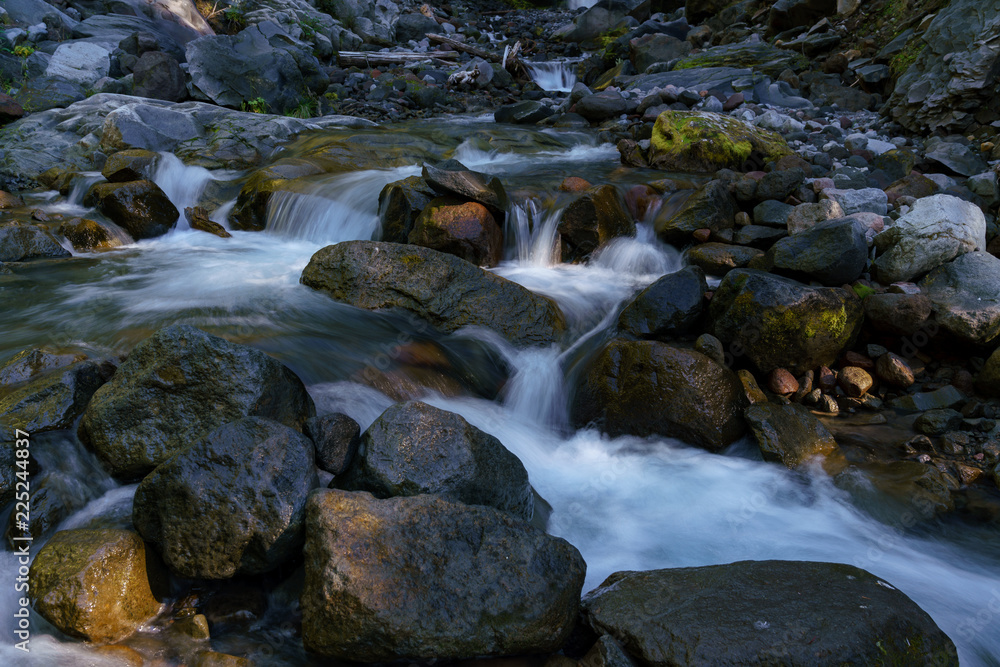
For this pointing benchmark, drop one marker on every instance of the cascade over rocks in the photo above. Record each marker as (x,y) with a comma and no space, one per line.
(591,220)
(177,386)
(448,292)
(417,578)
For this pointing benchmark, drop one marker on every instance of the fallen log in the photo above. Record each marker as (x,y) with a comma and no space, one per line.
(377,58)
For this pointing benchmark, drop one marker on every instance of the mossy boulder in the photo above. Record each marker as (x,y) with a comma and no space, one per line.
(650,388)
(762,613)
(761,57)
(592,219)
(133,164)
(448,292)
(704,142)
(177,386)
(94,584)
(86,234)
(781,323)
(422,577)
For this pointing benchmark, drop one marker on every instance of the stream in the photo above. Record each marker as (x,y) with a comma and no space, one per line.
(626,503)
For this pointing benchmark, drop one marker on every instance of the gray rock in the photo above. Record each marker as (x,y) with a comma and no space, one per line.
(945,397)
(527,112)
(601,106)
(448,292)
(21,241)
(414,27)
(260,62)
(957,157)
(867,200)
(232,503)
(656,48)
(178,385)
(954,75)
(985,185)
(669,307)
(833,252)
(416,579)
(966,297)
(414,448)
(779,184)
(699,78)
(934,231)
(373,20)
(758,612)
(82,63)
(336,437)
(786,14)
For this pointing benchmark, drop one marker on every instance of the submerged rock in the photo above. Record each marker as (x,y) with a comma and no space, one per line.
(179,385)
(448,292)
(699,141)
(414,448)
(231,503)
(93,584)
(417,578)
(650,388)
(781,323)
(763,612)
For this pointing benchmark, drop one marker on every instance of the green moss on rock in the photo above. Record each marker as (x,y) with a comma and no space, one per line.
(698,141)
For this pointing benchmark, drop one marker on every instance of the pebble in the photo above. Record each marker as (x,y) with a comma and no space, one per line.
(894,370)
(780,381)
(855,381)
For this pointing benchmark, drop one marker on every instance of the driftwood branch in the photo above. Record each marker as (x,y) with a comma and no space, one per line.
(466,48)
(376,58)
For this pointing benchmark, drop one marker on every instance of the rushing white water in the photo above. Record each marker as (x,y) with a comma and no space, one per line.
(577,4)
(533,234)
(555,76)
(183,184)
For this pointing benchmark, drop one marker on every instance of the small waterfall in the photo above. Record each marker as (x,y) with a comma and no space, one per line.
(81,186)
(556,76)
(341,207)
(536,393)
(183,184)
(535,234)
(642,254)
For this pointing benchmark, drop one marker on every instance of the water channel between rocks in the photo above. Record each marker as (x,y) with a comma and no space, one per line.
(625,503)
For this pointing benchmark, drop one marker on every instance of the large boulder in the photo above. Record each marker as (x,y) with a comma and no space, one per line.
(414,448)
(20,242)
(231,503)
(80,62)
(399,205)
(447,291)
(463,229)
(669,307)
(591,220)
(953,79)
(790,434)
(373,20)
(139,207)
(650,388)
(833,252)
(417,578)
(655,48)
(934,231)
(94,584)
(701,141)
(765,612)
(51,401)
(966,297)
(261,62)
(709,207)
(179,385)
(781,323)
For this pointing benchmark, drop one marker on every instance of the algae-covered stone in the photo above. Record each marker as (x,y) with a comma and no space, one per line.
(700,141)
(52,401)
(139,207)
(86,234)
(93,584)
(231,503)
(781,323)
(647,387)
(177,386)
(423,577)
(765,612)
(133,164)
(790,434)
(759,56)
(448,292)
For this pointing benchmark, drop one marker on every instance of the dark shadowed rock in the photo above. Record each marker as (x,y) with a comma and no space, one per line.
(466,184)
(336,437)
(898,314)
(966,297)
(417,578)
(781,323)
(765,612)
(647,387)
(669,307)
(710,207)
(399,205)
(446,291)
(790,434)
(232,503)
(414,448)
(591,220)
(140,207)
(177,386)
(159,76)
(833,252)
(718,258)
(132,164)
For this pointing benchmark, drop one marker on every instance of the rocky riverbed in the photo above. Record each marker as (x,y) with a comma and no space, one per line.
(644,332)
